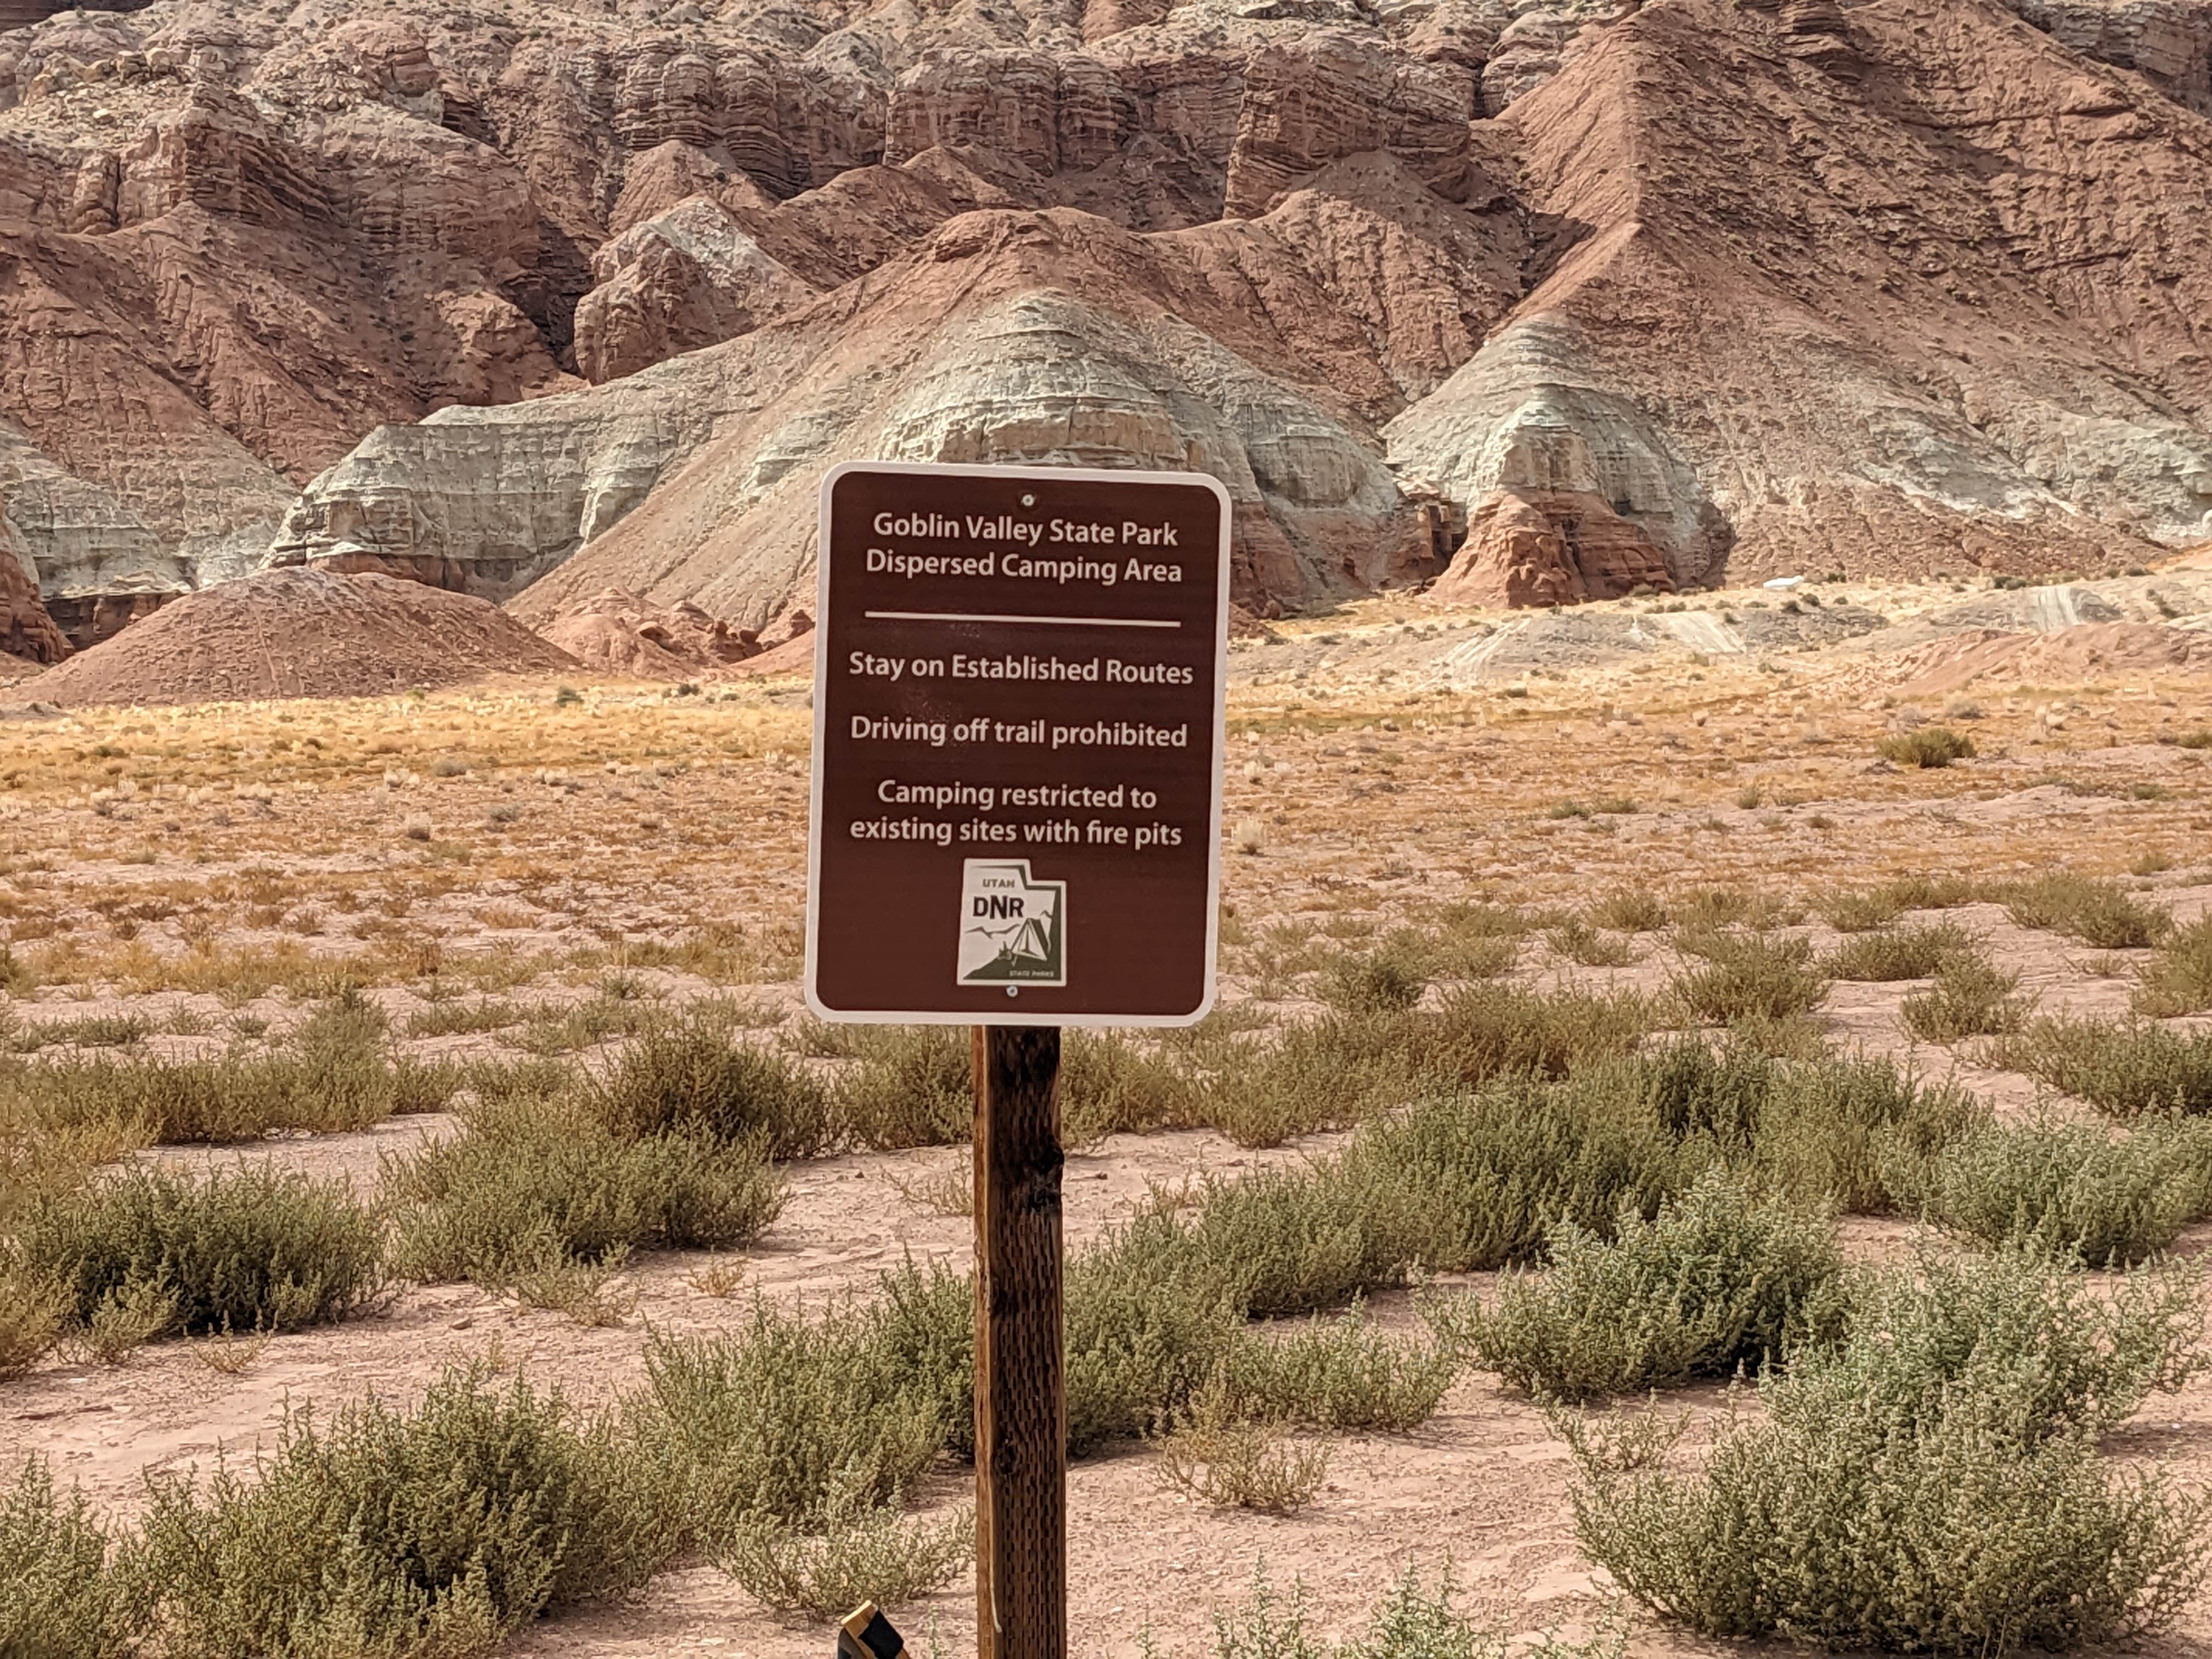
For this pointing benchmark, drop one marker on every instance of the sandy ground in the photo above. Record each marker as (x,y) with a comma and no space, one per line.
(195,865)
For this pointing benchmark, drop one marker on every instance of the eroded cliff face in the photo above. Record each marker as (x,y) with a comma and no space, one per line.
(1636,292)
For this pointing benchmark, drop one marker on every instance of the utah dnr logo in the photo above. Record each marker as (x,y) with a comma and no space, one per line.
(1013,931)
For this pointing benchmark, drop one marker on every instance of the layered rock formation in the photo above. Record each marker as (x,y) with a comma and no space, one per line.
(1580,294)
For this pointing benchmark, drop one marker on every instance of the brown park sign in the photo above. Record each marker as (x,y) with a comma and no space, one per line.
(1019,686)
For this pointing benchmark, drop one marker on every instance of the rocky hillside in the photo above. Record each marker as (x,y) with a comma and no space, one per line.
(542,299)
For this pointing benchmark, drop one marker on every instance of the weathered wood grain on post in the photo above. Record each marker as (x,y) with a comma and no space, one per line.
(1021,1403)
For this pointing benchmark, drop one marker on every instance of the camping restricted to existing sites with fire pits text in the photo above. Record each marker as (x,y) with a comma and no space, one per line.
(1018,726)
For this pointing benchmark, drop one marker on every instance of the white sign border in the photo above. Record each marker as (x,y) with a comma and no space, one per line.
(1013,1015)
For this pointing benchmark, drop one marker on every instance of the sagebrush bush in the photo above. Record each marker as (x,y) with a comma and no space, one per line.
(1413,1621)
(1384,981)
(1886,954)
(2178,979)
(1339,1372)
(2124,1067)
(61,1596)
(2073,1189)
(33,1312)
(771,1419)
(688,1076)
(422,1535)
(1471,1182)
(913,1085)
(1147,1322)
(1579,942)
(860,1549)
(1483,1031)
(1970,997)
(1745,976)
(1719,1279)
(1856,1133)
(2098,913)
(335,1070)
(1928,747)
(234,1249)
(1282,1241)
(1933,1483)
(1857,910)
(1631,910)
(1323,1074)
(1109,1085)
(533,1186)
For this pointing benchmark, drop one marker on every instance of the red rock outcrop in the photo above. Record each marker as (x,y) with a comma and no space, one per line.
(1645,292)
(26,630)
(1551,549)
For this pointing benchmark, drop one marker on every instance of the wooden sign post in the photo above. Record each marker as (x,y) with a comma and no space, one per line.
(1018,699)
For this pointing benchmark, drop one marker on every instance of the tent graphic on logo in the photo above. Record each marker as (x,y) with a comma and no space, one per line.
(1013,931)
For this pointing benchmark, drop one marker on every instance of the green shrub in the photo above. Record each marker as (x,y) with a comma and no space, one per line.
(426,1534)
(1468,1182)
(1888,954)
(1630,910)
(913,1085)
(1413,1621)
(244,1248)
(1147,1322)
(59,1596)
(2058,1350)
(1577,941)
(687,1076)
(1857,910)
(773,1420)
(1324,1074)
(1213,1453)
(2073,1188)
(1282,1241)
(1856,1133)
(1380,981)
(1932,1484)
(1922,891)
(550,1032)
(1718,1280)
(1111,1085)
(2126,1068)
(1970,998)
(1335,1373)
(2178,979)
(1928,747)
(1484,1031)
(2099,913)
(33,1312)
(1748,976)
(335,1070)
(533,1187)
(860,1552)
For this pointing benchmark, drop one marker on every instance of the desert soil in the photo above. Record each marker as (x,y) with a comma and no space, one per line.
(149,859)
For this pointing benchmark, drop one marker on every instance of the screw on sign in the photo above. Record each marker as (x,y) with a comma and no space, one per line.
(1019,694)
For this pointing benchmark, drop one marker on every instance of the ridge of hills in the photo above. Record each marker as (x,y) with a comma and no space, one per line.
(1543,302)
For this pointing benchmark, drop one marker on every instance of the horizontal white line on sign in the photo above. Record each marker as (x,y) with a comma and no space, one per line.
(1055,621)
